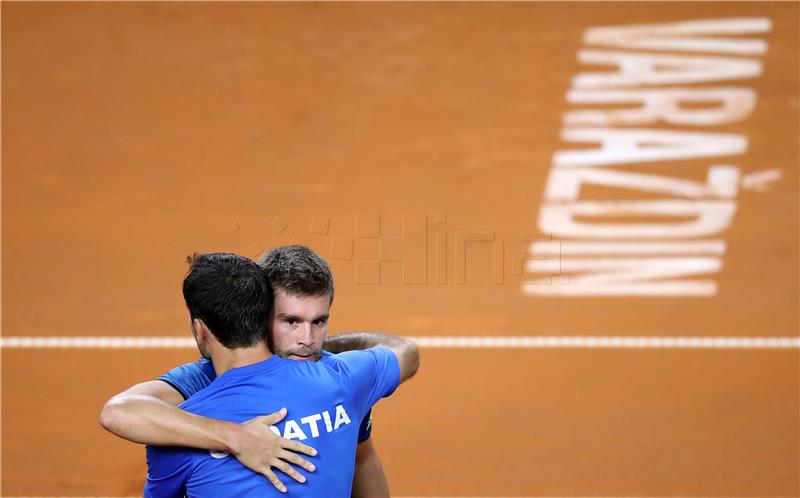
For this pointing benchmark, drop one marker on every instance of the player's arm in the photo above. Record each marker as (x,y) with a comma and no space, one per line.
(147,413)
(369,480)
(405,349)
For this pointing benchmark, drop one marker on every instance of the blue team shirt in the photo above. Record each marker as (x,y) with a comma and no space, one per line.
(325,400)
(190,378)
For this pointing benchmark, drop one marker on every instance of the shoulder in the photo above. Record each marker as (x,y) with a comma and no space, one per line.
(242,383)
(202,366)
(190,378)
(202,397)
(354,362)
(378,353)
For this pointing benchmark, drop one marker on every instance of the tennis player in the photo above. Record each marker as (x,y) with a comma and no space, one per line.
(228,298)
(148,413)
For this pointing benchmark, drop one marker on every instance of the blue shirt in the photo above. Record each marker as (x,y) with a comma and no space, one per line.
(190,378)
(323,399)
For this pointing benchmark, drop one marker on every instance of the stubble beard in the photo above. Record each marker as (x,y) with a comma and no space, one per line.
(301,354)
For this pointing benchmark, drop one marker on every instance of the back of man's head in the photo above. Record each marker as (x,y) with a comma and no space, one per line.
(231,295)
(297,270)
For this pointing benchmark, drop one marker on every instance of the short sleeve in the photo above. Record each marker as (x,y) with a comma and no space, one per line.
(168,470)
(374,372)
(365,430)
(190,378)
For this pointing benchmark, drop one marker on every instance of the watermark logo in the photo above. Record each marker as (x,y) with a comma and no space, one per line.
(423,246)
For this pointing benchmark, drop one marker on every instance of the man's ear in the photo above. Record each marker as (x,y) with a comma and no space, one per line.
(202,336)
(200,331)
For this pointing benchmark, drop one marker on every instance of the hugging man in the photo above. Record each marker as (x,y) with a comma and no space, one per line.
(303,292)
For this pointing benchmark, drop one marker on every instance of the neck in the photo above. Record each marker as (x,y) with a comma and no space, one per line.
(225,359)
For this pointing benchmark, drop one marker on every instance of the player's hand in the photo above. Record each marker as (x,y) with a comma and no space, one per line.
(262,450)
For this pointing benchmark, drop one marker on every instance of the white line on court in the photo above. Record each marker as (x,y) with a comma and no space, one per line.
(452,342)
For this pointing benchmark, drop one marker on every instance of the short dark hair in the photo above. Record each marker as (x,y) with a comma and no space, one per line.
(297,270)
(230,293)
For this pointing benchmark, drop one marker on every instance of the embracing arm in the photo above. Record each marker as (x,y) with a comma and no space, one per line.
(369,480)
(147,413)
(405,349)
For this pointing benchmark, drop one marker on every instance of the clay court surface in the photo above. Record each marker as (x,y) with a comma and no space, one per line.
(381,135)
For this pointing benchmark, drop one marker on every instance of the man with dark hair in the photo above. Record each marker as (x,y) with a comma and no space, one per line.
(215,282)
(147,413)
(231,293)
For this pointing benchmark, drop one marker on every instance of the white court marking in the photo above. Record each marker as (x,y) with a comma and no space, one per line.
(453,342)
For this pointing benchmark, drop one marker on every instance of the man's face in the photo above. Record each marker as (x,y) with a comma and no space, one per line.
(299,325)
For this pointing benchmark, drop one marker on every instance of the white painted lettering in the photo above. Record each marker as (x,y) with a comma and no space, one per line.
(624,277)
(326,417)
(662,104)
(341,417)
(643,145)
(564,184)
(686,36)
(311,421)
(293,431)
(644,247)
(710,217)
(637,69)
(603,240)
